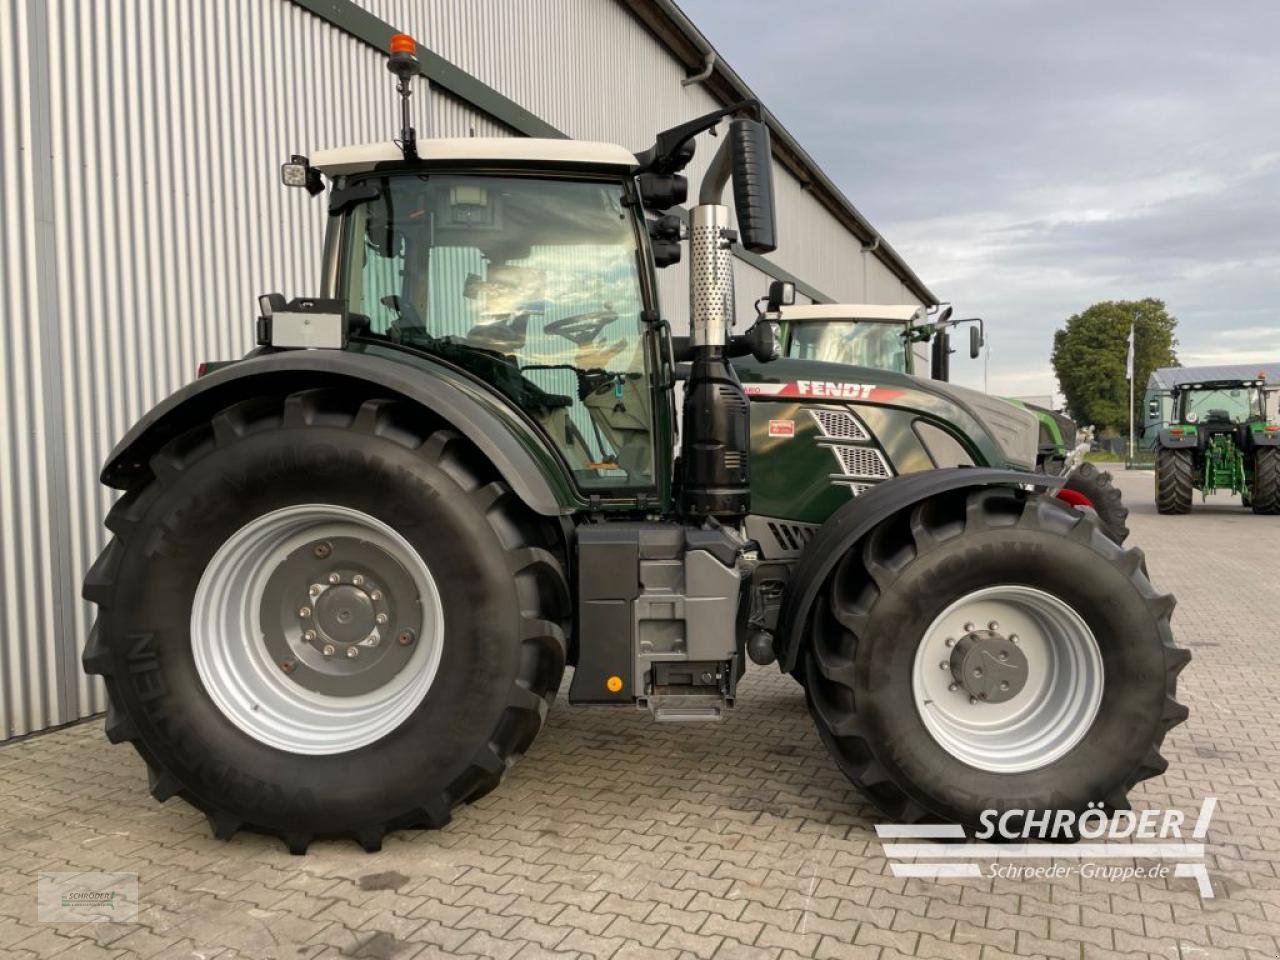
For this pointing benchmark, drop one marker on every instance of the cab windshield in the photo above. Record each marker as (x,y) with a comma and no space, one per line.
(863,343)
(1225,403)
(533,285)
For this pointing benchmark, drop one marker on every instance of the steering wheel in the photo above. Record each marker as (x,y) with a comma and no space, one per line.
(582,328)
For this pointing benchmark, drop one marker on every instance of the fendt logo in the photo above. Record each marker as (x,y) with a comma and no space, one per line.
(830,389)
(1105,842)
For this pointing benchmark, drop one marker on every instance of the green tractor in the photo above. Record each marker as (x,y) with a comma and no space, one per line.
(347,571)
(1223,436)
(882,336)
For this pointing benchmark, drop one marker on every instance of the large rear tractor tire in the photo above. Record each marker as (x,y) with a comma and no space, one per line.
(992,649)
(1099,490)
(1266,480)
(1175,481)
(325,615)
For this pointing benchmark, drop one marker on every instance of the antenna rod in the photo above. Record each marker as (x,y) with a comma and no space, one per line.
(404,64)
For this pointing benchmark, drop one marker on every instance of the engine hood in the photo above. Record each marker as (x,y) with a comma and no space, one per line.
(1005,434)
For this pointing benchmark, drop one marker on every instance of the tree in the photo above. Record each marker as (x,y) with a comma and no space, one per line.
(1090,353)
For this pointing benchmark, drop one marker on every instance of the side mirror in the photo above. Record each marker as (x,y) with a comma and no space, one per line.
(782,293)
(753,185)
(975,343)
(1153,409)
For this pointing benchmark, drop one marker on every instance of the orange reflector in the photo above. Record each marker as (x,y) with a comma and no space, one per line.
(1175,431)
(403,43)
(1272,428)
(613,684)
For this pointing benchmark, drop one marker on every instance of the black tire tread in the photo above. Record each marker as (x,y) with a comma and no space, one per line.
(1175,481)
(537,551)
(1266,480)
(1108,502)
(828,660)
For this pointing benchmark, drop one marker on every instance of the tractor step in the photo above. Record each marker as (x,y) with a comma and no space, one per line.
(688,707)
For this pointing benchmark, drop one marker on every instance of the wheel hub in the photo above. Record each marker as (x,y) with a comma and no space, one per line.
(328,609)
(988,666)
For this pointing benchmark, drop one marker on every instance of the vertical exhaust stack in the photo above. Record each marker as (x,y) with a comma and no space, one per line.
(715,449)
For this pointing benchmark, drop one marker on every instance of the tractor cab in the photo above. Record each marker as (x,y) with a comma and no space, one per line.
(520,262)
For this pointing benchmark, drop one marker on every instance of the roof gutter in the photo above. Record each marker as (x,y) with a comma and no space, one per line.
(678,33)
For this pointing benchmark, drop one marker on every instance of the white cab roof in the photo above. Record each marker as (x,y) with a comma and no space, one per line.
(853,311)
(355,159)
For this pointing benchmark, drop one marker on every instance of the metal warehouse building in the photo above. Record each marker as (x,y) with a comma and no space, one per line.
(141,143)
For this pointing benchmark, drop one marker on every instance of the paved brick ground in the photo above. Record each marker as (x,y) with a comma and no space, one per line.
(620,838)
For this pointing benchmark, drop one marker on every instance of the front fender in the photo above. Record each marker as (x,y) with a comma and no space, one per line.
(855,520)
(512,446)
(1180,441)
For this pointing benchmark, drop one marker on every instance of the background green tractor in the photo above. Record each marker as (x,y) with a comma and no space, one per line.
(1223,436)
(347,572)
(884,336)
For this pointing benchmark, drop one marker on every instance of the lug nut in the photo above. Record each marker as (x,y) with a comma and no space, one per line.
(968,628)
(405,638)
(953,687)
(993,625)
(322,550)
(951,641)
(304,612)
(316,590)
(353,652)
(357,580)
(1013,638)
(328,649)
(334,578)
(977,671)
(973,700)
(1004,684)
(943,665)
(308,635)
(380,618)
(287,666)
(376,595)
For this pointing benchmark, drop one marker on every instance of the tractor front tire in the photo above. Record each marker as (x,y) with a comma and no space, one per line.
(1175,481)
(1081,668)
(1266,481)
(1104,496)
(326,615)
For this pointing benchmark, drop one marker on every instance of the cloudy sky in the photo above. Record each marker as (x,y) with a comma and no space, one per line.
(1029,157)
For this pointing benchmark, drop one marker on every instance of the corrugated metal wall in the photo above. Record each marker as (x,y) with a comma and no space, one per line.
(142,214)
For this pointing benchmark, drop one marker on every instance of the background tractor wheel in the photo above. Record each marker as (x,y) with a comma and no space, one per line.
(1266,480)
(1098,488)
(1175,481)
(992,649)
(322,615)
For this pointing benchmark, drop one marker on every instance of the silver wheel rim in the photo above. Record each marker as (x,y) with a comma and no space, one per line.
(1046,716)
(290,684)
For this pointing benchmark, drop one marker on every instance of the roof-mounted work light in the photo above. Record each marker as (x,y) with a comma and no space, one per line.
(299,172)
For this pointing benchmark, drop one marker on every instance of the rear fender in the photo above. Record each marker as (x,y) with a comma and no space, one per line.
(1261,438)
(512,446)
(853,521)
